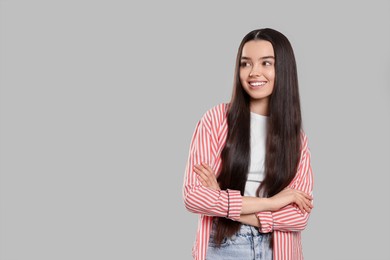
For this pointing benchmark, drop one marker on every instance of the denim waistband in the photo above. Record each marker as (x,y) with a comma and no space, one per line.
(245,230)
(247,243)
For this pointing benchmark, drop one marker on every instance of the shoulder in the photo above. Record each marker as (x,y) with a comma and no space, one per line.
(216,115)
(304,142)
(303,137)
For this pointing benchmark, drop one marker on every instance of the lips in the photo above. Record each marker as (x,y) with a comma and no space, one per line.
(256,84)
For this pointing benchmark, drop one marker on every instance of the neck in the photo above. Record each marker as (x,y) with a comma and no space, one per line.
(259,106)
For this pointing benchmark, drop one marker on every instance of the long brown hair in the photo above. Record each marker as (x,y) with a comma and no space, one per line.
(283,129)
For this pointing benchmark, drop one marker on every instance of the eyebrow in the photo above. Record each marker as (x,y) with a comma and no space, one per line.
(261,58)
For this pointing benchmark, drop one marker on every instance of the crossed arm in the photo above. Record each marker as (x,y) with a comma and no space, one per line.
(253,205)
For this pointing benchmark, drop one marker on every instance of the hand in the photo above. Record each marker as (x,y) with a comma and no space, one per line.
(287,196)
(206,176)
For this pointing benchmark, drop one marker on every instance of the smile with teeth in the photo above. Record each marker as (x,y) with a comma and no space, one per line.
(257,83)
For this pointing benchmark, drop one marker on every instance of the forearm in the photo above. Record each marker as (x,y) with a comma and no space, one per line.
(221,203)
(287,219)
(250,219)
(252,205)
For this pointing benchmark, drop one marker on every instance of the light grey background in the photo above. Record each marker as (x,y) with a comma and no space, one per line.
(99,100)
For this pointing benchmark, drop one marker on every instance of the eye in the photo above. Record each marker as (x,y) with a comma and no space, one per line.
(245,64)
(267,63)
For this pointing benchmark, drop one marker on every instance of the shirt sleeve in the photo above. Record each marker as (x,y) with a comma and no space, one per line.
(290,218)
(197,198)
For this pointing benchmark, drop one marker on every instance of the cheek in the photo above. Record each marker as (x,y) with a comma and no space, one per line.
(272,75)
(243,76)
(272,87)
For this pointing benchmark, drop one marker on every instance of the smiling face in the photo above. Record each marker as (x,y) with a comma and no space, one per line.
(257,73)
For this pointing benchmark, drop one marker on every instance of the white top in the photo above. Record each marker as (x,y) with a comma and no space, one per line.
(256,167)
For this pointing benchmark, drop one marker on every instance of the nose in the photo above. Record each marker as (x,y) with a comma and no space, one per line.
(255,72)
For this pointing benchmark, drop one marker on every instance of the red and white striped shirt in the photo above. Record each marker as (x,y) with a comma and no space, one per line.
(206,146)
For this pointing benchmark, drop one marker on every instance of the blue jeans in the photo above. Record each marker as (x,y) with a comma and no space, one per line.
(247,244)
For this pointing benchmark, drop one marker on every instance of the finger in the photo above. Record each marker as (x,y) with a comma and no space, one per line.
(205,180)
(202,181)
(310,204)
(207,167)
(198,167)
(300,208)
(213,179)
(206,174)
(307,206)
(200,170)
(306,195)
(307,200)
(302,203)
(203,177)
(307,209)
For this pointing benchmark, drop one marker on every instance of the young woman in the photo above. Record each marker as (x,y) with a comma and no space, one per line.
(248,174)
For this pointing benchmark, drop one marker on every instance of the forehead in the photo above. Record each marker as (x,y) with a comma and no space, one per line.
(257,48)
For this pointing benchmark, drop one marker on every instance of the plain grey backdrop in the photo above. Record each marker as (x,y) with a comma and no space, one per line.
(99,100)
